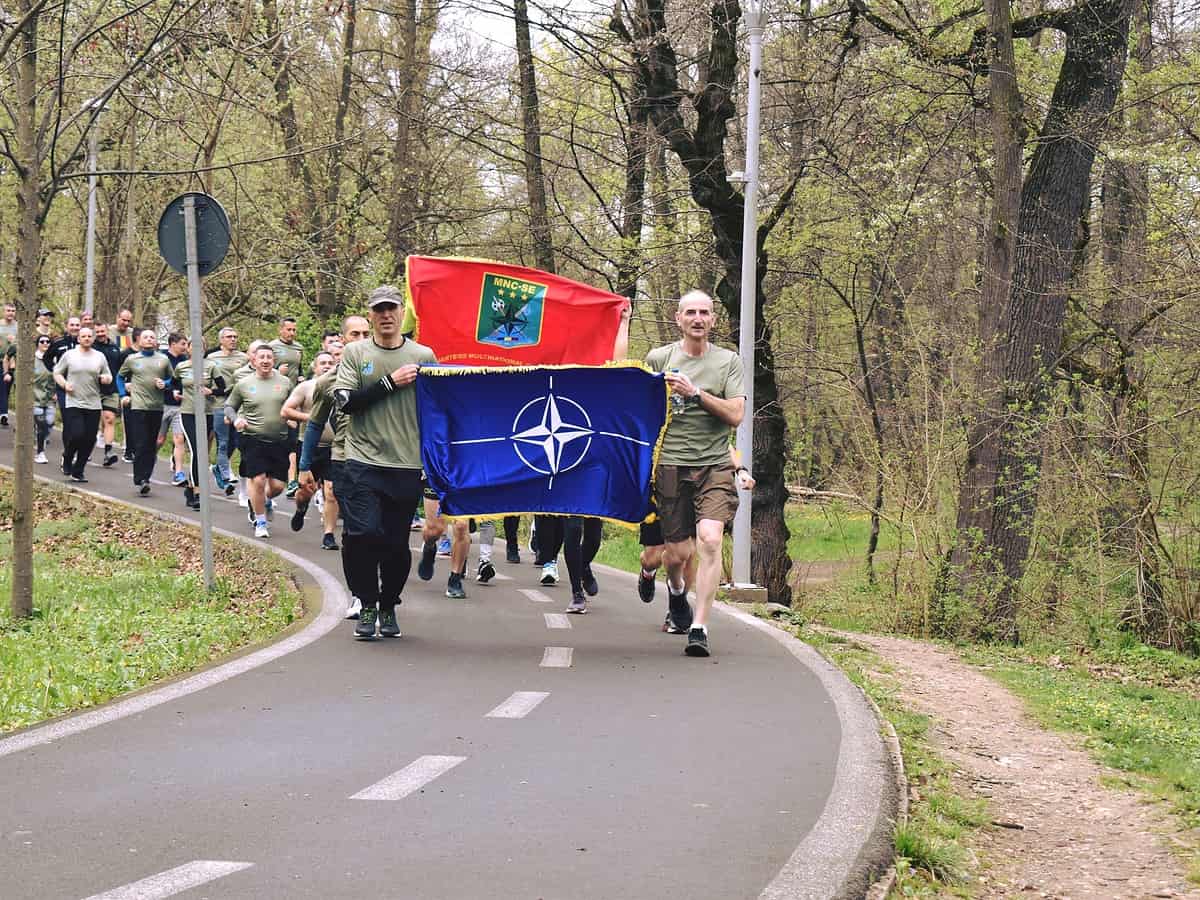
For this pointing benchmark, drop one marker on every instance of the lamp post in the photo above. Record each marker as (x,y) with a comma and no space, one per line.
(754,17)
(96,106)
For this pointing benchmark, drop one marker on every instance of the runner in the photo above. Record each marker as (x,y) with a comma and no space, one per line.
(186,396)
(243,371)
(8,338)
(694,483)
(142,379)
(44,407)
(254,406)
(289,360)
(354,328)
(171,423)
(79,373)
(68,341)
(380,483)
(125,336)
(227,359)
(581,540)
(110,400)
(298,408)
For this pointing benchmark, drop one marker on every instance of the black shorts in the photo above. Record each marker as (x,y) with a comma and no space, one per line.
(377,502)
(322,460)
(261,457)
(336,466)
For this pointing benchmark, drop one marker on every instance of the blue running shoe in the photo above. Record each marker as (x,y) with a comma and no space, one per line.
(443,547)
(179,478)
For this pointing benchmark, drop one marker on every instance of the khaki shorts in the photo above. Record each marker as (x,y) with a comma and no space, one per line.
(687,494)
(111,402)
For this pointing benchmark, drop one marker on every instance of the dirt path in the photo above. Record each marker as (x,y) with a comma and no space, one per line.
(1077,839)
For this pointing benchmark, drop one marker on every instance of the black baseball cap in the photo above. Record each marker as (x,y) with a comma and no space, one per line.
(46,312)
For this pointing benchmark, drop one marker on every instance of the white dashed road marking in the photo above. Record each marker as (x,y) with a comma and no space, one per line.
(557,657)
(557,620)
(535,596)
(411,778)
(174,881)
(518,706)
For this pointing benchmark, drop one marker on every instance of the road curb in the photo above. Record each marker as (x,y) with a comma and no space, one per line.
(333,599)
(849,851)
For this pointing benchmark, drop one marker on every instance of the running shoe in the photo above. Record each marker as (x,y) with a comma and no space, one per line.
(486,571)
(679,615)
(298,515)
(387,624)
(292,487)
(697,642)
(260,530)
(550,573)
(250,514)
(229,489)
(79,479)
(454,587)
(578,604)
(109,461)
(512,555)
(318,499)
(41,458)
(533,541)
(243,500)
(646,586)
(590,586)
(354,608)
(222,483)
(417,524)
(190,497)
(365,629)
(329,542)
(3,420)
(128,457)
(179,479)
(425,566)
(443,547)
(144,490)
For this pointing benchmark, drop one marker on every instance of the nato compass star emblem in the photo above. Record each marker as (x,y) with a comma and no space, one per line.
(552,434)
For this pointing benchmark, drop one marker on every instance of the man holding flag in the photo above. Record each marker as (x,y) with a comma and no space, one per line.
(695,480)
(380,483)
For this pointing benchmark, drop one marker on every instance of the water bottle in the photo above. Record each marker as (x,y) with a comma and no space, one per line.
(678,401)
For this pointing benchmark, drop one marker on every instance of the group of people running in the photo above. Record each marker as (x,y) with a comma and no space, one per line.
(348,439)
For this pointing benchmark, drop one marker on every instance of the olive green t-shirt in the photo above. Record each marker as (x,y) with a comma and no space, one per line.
(225,366)
(292,354)
(187,386)
(8,336)
(83,371)
(43,384)
(302,398)
(386,433)
(694,436)
(139,372)
(259,401)
(323,411)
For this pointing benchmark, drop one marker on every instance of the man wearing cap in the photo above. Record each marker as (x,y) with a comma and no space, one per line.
(380,483)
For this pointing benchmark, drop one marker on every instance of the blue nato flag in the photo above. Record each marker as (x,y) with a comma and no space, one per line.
(574,440)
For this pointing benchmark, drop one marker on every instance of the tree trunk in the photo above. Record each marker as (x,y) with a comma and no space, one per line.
(29,251)
(634,198)
(998,500)
(535,181)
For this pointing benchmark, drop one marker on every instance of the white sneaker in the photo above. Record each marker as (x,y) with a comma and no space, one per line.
(260,530)
(243,501)
(354,608)
(550,573)
(41,458)
(319,500)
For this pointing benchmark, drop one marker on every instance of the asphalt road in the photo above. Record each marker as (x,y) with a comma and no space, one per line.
(458,762)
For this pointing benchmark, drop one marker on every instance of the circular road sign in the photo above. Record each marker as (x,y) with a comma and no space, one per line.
(212,234)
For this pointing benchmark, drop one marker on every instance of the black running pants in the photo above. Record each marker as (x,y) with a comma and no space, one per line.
(581,540)
(549,537)
(79,437)
(141,434)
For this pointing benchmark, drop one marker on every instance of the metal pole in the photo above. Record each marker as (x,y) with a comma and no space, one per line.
(89,292)
(199,403)
(745,433)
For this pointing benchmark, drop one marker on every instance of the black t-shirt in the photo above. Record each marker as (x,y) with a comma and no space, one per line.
(57,349)
(115,356)
(172,386)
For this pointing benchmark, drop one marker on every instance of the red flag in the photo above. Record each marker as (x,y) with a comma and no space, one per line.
(474,312)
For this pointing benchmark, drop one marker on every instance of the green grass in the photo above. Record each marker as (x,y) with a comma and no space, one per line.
(933,855)
(119,604)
